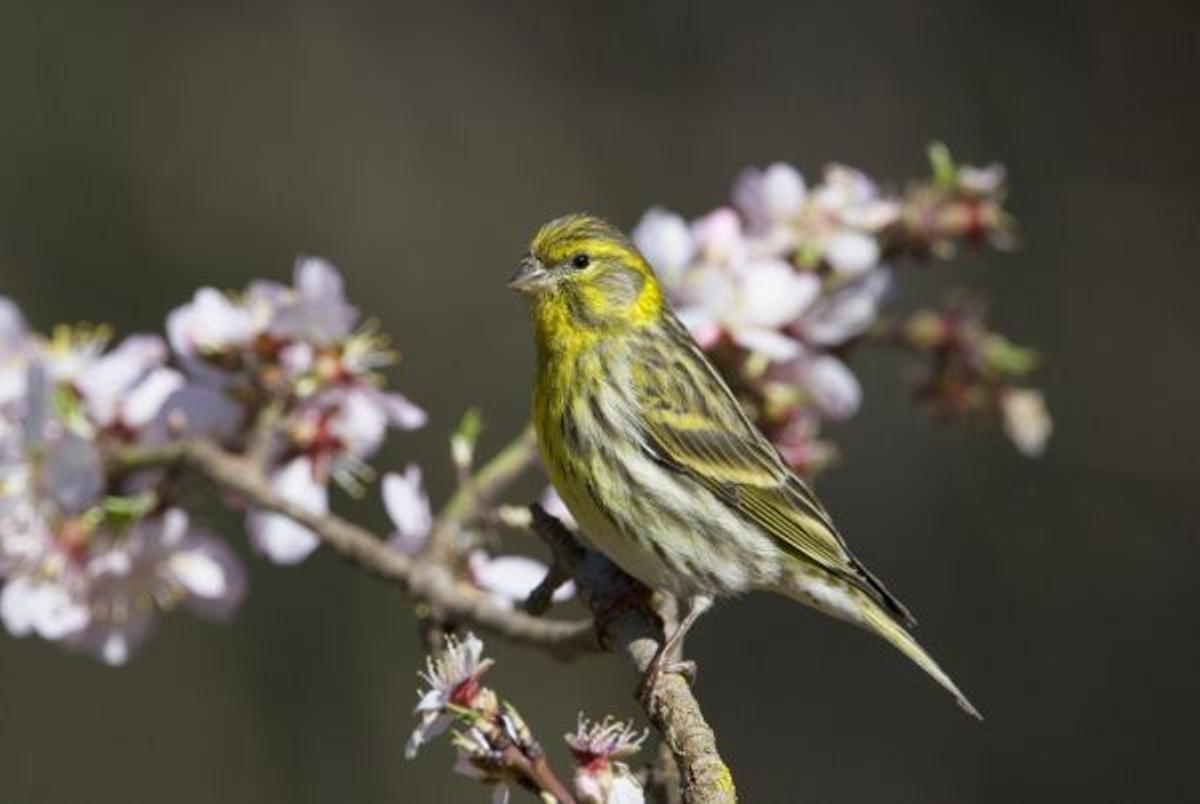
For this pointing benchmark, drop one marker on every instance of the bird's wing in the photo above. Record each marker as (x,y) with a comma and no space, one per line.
(701,432)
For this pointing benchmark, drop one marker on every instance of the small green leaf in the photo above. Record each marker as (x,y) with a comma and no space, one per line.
(462,443)
(945,172)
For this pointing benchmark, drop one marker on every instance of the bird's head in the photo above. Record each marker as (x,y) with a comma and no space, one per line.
(583,273)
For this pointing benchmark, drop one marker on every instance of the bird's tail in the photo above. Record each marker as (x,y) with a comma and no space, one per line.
(874,618)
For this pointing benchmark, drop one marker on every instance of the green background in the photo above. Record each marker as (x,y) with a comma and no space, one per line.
(149,148)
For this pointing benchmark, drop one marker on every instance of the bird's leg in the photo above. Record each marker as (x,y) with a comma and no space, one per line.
(663,660)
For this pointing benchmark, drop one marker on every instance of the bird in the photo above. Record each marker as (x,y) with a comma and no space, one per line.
(654,457)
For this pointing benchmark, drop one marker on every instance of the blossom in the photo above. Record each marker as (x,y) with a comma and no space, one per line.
(207,333)
(510,579)
(666,242)
(279,537)
(749,302)
(452,678)
(553,505)
(409,509)
(600,775)
(316,310)
(1026,419)
(14,352)
(160,563)
(301,346)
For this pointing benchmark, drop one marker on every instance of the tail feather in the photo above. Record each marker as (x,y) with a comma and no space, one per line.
(878,620)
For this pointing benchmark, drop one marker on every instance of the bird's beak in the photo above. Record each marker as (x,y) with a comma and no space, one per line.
(531,276)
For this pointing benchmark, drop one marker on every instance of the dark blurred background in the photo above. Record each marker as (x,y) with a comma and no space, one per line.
(149,148)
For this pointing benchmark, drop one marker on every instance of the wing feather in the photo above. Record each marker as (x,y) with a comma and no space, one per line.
(702,433)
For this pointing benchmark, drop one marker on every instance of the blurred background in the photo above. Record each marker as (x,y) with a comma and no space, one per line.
(149,148)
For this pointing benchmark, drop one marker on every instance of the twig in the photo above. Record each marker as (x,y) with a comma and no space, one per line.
(637,632)
(424,579)
(473,497)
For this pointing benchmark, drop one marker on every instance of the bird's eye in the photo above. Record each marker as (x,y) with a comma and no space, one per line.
(581,260)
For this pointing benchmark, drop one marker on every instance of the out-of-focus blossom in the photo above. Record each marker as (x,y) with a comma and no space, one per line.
(82,564)
(158,564)
(750,302)
(408,507)
(509,579)
(553,504)
(452,678)
(302,347)
(973,371)
(666,242)
(279,537)
(750,278)
(14,352)
(598,748)
(316,310)
(209,332)
(780,286)
(1026,419)
(107,382)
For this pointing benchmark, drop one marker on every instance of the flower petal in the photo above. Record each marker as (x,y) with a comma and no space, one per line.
(772,294)
(768,342)
(408,507)
(1026,420)
(847,312)
(510,579)
(833,386)
(280,538)
(851,252)
(666,242)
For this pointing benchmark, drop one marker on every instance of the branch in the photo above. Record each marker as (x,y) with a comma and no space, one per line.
(633,630)
(637,632)
(419,577)
(474,496)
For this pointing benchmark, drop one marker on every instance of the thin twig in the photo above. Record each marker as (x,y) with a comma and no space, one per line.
(473,497)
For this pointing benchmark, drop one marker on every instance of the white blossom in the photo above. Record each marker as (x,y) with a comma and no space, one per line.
(666,242)
(600,776)
(279,537)
(316,309)
(158,564)
(509,579)
(408,507)
(451,677)
(1026,419)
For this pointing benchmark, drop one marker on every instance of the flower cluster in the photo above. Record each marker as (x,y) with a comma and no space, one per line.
(88,556)
(972,371)
(781,285)
(598,748)
(497,748)
(298,358)
(90,549)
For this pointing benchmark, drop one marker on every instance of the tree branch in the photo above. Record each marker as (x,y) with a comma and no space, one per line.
(424,579)
(632,628)
(474,496)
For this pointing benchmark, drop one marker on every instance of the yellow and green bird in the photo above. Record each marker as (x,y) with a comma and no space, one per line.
(657,461)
